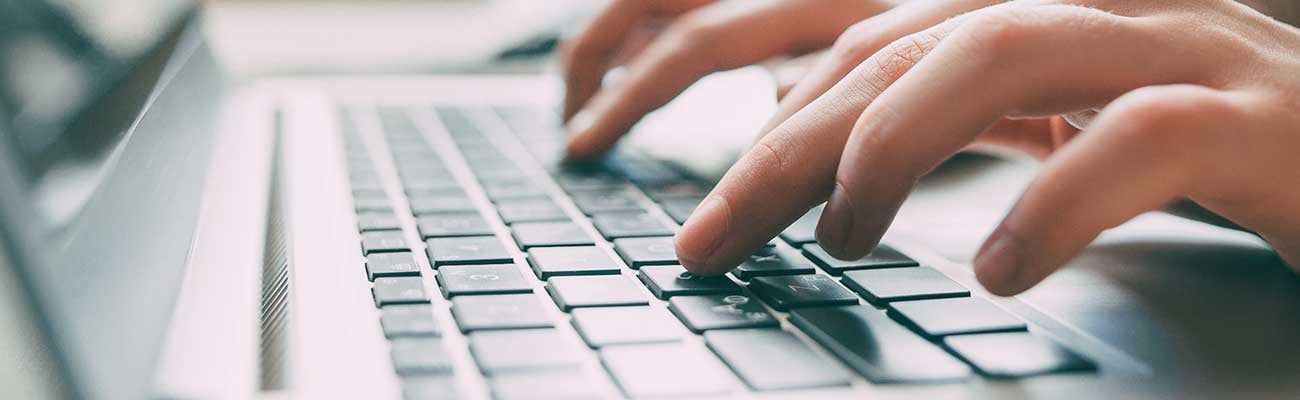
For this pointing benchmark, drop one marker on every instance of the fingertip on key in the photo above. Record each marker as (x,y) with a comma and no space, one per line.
(701,236)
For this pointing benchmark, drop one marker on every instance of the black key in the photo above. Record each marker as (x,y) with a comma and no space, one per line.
(638,252)
(419,356)
(537,234)
(793,291)
(457,280)
(876,346)
(672,280)
(398,290)
(770,261)
(882,257)
(467,250)
(681,209)
(591,182)
(377,221)
(522,350)
(880,286)
(442,204)
(666,371)
(676,190)
(452,225)
(630,224)
(604,326)
(606,201)
(504,311)
(545,385)
(362,204)
(702,313)
(430,387)
(408,320)
(391,264)
(571,292)
(570,260)
(955,316)
(772,359)
(530,210)
(512,189)
(803,230)
(430,186)
(1016,354)
(383,241)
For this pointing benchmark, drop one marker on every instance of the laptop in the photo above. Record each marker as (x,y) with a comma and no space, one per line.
(171,234)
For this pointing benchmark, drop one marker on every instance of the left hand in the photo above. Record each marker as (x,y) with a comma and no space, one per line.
(1198,99)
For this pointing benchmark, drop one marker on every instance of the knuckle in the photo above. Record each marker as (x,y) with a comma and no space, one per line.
(886,66)
(857,43)
(693,31)
(996,34)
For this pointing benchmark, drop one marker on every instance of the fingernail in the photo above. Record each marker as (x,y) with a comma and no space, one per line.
(998,265)
(702,233)
(836,221)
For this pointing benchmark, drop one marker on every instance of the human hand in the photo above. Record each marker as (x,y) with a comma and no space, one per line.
(1197,100)
(702,37)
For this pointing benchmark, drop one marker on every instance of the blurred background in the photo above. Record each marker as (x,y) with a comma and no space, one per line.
(261,37)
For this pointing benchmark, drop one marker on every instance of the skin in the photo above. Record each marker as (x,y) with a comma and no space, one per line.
(1195,102)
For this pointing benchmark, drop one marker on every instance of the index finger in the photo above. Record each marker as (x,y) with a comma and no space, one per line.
(599,42)
(792,169)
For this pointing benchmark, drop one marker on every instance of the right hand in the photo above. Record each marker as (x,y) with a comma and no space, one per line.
(703,37)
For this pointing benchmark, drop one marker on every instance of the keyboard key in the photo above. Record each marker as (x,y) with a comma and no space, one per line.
(961,315)
(769,261)
(880,286)
(666,370)
(377,221)
(530,210)
(772,359)
(398,290)
(364,193)
(786,292)
(570,260)
(681,209)
(430,387)
(452,225)
(702,313)
(803,230)
(572,182)
(638,252)
(419,356)
(672,280)
(538,234)
(445,203)
(676,190)
(407,320)
(433,192)
(512,189)
(604,326)
(505,311)
(383,241)
(876,346)
(467,250)
(571,292)
(457,280)
(630,224)
(882,257)
(430,185)
(545,385)
(606,201)
(521,350)
(1016,354)
(391,264)
(378,203)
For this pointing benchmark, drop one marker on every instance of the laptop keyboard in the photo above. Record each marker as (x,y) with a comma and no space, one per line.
(597,241)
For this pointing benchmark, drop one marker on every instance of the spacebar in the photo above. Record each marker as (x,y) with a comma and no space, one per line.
(877,347)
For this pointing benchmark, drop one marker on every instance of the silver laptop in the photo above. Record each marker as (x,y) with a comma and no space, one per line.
(167,234)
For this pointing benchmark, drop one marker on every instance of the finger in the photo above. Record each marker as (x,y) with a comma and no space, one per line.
(792,169)
(723,36)
(861,41)
(1003,61)
(591,52)
(1139,155)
